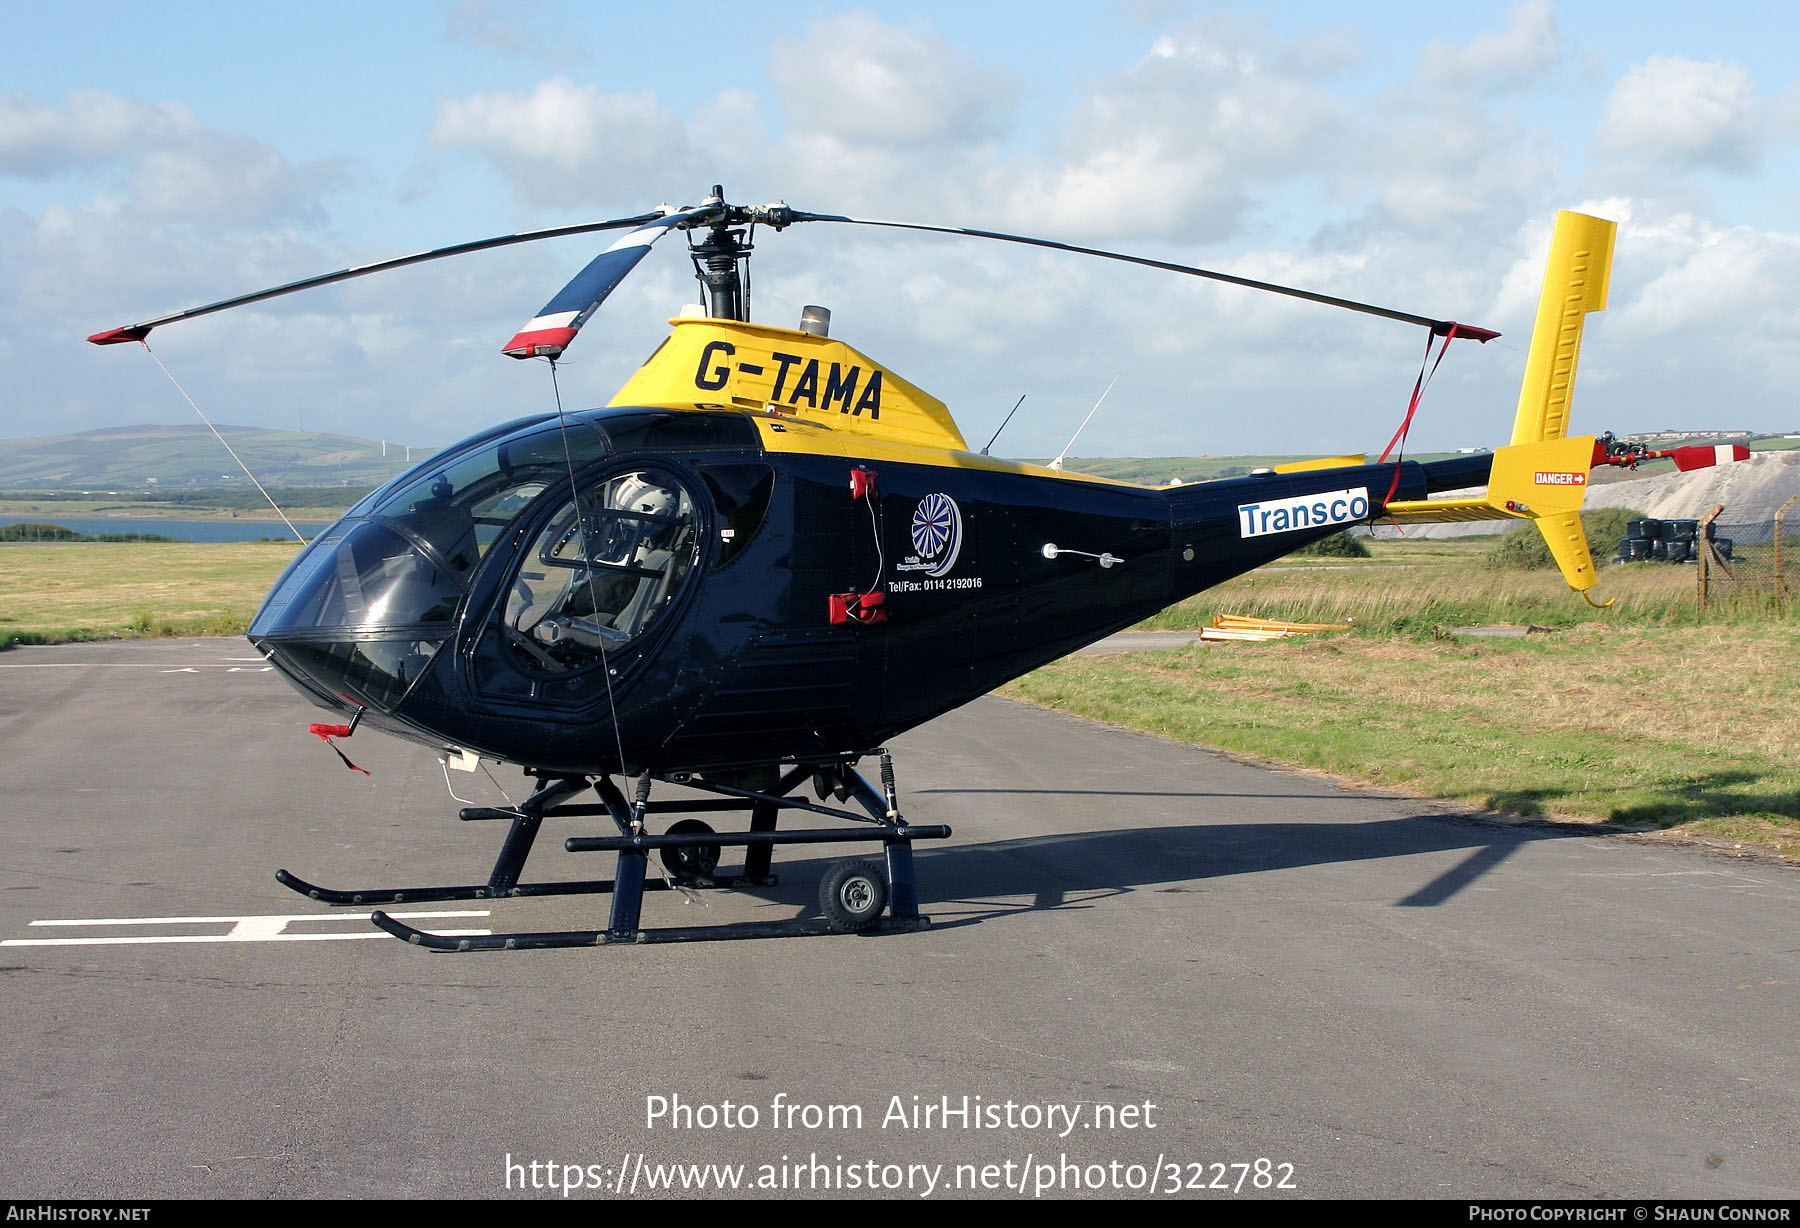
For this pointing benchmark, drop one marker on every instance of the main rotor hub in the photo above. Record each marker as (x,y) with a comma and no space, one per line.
(721,258)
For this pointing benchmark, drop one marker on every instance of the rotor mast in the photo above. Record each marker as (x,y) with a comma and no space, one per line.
(718,258)
(722,257)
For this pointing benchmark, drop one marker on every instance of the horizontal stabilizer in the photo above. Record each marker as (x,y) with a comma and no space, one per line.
(1446,511)
(1323,462)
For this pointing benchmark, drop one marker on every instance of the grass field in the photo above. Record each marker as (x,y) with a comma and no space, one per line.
(56,592)
(1419,585)
(1647,713)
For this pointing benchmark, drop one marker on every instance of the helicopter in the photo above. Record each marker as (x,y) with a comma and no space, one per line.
(770,554)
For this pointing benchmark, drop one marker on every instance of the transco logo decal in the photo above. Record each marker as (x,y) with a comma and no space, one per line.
(1304,512)
(937,532)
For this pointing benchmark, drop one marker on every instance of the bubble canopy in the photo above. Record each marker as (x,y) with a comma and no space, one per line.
(364,608)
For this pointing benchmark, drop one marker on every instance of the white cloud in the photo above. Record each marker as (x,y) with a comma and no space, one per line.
(172,166)
(1700,329)
(1710,280)
(223,177)
(511,25)
(564,144)
(39,140)
(859,80)
(1456,168)
(1511,60)
(1179,143)
(1434,196)
(1440,156)
(1685,112)
(895,121)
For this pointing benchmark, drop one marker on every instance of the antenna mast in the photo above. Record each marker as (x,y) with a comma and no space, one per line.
(1058,462)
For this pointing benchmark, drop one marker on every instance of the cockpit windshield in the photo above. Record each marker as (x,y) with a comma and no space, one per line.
(461,507)
(366,606)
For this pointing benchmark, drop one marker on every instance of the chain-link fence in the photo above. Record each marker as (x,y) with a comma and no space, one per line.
(1744,559)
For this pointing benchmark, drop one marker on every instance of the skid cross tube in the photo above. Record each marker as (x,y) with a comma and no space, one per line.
(820,835)
(633,846)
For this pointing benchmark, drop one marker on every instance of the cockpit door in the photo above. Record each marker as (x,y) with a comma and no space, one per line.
(596,580)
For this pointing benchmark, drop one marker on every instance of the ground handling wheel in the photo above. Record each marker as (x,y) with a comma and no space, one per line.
(695,860)
(853,895)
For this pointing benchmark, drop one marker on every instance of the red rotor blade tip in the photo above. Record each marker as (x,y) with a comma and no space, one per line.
(1688,459)
(539,343)
(119,336)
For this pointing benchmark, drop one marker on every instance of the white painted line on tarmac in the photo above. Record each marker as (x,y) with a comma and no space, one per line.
(265,928)
(88,665)
(161,665)
(142,940)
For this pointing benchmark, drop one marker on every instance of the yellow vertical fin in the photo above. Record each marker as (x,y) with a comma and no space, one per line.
(1568,546)
(1547,480)
(1575,283)
(1544,472)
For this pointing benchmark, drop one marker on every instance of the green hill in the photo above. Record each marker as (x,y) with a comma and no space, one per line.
(139,458)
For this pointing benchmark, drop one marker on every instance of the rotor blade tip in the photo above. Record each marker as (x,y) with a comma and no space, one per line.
(119,336)
(1483,335)
(539,343)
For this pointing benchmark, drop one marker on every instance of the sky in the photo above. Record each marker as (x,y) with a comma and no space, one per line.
(154,158)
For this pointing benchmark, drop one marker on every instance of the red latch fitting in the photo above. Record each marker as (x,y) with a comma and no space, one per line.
(862,608)
(862,483)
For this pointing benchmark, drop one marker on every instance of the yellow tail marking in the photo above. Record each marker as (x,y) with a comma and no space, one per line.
(1541,478)
(1575,283)
(1542,467)
(1446,511)
(1323,462)
(1568,546)
(1543,474)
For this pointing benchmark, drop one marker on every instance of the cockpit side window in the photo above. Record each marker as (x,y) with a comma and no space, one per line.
(602,571)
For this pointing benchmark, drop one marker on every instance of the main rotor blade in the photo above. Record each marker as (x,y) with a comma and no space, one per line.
(549,332)
(1439,327)
(137,332)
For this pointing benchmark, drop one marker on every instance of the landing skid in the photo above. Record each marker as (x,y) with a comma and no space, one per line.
(601,938)
(856,896)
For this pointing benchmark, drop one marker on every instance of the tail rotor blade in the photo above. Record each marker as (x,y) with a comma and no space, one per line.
(1689,459)
(1439,327)
(137,332)
(549,333)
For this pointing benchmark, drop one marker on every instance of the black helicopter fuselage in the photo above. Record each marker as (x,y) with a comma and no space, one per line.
(770,554)
(753,605)
(768,548)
